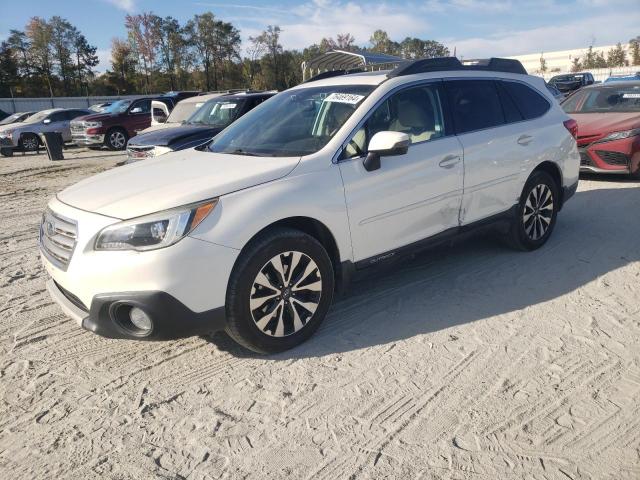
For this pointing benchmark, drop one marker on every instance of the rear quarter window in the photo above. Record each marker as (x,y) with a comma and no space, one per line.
(530,103)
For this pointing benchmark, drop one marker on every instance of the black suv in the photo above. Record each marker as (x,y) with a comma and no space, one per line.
(205,123)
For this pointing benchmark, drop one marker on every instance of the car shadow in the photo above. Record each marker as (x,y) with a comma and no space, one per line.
(597,232)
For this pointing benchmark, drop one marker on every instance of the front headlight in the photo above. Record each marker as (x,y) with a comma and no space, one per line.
(157,151)
(621,135)
(157,230)
(6,133)
(92,124)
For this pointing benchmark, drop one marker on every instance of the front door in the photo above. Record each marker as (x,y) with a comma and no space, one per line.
(412,196)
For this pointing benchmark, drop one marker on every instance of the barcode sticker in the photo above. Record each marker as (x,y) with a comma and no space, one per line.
(350,98)
(631,95)
(227,106)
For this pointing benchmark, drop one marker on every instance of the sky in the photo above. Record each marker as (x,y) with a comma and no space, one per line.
(475,28)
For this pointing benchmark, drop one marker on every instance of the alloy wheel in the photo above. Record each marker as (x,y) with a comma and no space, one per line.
(538,211)
(30,143)
(285,294)
(117,140)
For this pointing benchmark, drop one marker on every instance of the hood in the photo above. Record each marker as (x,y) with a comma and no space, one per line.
(159,126)
(167,136)
(593,126)
(95,117)
(172,180)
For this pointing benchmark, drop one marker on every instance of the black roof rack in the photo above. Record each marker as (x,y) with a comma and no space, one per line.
(439,64)
(334,73)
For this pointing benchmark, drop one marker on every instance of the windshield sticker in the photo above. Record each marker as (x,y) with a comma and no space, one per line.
(227,106)
(350,98)
(631,95)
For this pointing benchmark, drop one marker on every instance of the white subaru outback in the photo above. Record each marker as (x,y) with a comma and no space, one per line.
(253,232)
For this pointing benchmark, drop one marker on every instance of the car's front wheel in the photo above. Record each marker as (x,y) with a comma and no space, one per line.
(29,142)
(279,292)
(116,139)
(536,212)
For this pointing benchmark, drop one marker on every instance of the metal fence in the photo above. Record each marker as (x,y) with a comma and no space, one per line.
(12,105)
(600,74)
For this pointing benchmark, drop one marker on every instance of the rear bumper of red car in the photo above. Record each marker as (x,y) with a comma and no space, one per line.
(619,156)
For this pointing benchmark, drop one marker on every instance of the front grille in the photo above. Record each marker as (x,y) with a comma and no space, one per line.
(77,127)
(140,151)
(613,158)
(585,159)
(58,236)
(71,297)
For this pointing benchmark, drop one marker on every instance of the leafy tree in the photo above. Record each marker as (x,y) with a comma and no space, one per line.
(40,56)
(381,43)
(123,65)
(617,57)
(270,40)
(416,48)
(8,69)
(576,65)
(634,50)
(85,59)
(63,35)
(143,36)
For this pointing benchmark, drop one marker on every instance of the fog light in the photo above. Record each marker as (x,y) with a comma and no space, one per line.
(140,319)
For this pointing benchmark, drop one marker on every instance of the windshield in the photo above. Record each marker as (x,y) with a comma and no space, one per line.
(12,118)
(293,123)
(182,111)
(117,107)
(605,99)
(217,113)
(37,117)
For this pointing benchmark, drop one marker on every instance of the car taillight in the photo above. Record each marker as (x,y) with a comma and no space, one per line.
(572,126)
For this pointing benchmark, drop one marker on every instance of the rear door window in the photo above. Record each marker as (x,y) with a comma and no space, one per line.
(530,103)
(475,105)
(511,111)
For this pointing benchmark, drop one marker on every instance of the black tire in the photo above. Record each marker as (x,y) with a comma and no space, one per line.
(635,175)
(29,142)
(113,140)
(531,228)
(256,258)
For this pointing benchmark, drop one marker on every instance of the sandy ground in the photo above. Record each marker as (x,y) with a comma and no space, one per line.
(467,362)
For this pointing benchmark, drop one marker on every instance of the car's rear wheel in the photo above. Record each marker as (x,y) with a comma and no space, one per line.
(116,139)
(279,292)
(536,212)
(29,142)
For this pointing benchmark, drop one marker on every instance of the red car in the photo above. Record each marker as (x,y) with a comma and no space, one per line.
(114,126)
(608,117)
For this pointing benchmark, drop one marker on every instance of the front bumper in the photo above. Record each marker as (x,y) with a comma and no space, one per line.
(618,156)
(83,139)
(171,318)
(182,287)
(7,142)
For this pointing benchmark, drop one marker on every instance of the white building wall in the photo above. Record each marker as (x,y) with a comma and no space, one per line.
(561,60)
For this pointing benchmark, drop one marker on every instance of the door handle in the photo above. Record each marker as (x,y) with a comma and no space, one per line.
(525,140)
(449,161)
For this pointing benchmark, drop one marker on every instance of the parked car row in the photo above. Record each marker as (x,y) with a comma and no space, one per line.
(254,231)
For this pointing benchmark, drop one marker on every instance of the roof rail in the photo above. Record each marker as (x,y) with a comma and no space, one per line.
(440,64)
(333,73)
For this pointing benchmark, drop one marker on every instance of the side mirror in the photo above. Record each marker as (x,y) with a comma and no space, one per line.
(385,144)
(46,121)
(136,110)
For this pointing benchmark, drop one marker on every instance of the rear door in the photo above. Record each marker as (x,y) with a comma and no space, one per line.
(412,196)
(494,150)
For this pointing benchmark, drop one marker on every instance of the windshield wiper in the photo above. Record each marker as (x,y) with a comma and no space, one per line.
(239,151)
